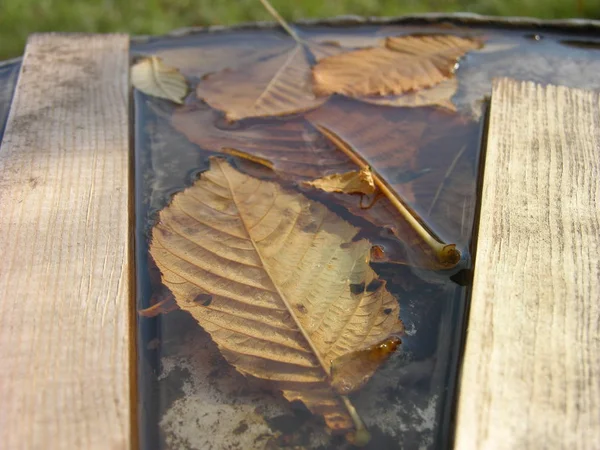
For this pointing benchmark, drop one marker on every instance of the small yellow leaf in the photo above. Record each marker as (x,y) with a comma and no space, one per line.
(154,78)
(354,182)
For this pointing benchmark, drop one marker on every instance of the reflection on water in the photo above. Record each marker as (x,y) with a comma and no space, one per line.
(190,396)
(8,81)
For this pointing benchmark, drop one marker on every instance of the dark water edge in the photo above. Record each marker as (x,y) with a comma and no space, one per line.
(410,401)
(8,81)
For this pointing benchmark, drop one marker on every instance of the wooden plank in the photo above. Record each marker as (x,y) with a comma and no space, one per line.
(531,370)
(64,242)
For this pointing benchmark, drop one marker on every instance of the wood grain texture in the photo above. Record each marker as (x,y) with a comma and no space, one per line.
(531,370)
(64,245)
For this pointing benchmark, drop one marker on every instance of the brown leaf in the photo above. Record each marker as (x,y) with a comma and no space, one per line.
(292,147)
(406,63)
(354,182)
(273,86)
(390,139)
(438,95)
(278,281)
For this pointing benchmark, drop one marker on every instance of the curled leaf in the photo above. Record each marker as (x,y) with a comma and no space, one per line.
(351,371)
(406,63)
(152,77)
(279,283)
(354,182)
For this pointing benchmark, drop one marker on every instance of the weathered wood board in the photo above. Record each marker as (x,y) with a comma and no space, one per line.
(65,317)
(531,370)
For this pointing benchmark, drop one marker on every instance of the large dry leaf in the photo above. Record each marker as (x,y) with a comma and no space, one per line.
(272,86)
(279,283)
(439,95)
(406,63)
(152,77)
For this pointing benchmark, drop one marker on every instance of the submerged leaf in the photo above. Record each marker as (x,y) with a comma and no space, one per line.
(273,86)
(354,182)
(438,95)
(279,283)
(152,77)
(292,147)
(406,63)
(194,61)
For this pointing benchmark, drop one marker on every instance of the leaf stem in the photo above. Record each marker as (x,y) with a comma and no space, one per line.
(281,21)
(447,254)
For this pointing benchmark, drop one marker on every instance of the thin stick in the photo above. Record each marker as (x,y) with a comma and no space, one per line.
(361,436)
(281,21)
(447,254)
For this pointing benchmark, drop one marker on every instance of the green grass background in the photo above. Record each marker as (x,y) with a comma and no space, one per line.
(19,18)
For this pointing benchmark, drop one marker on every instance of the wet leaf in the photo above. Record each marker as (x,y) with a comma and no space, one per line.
(292,147)
(152,77)
(406,63)
(212,57)
(290,289)
(351,371)
(389,139)
(275,86)
(438,95)
(354,182)
(412,151)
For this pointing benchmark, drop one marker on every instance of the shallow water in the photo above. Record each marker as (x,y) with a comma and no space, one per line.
(190,397)
(8,81)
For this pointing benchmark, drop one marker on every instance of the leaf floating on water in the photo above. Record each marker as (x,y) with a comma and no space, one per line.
(154,78)
(279,85)
(438,95)
(354,182)
(406,63)
(282,273)
(351,371)
(275,86)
